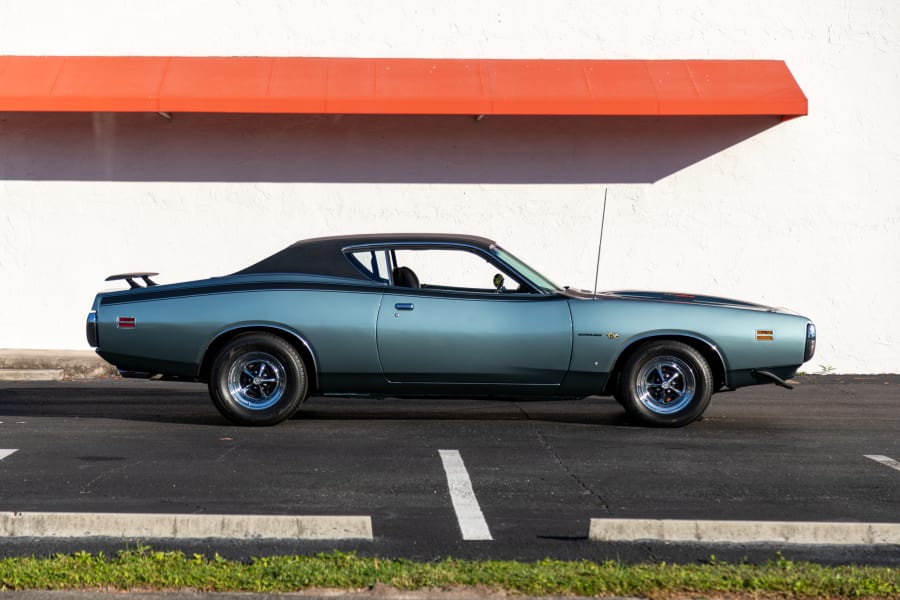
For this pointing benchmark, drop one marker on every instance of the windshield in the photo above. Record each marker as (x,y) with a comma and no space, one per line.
(533,276)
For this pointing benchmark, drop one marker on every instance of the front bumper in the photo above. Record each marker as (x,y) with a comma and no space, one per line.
(810,349)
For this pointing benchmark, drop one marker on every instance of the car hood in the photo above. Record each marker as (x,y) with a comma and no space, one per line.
(680,298)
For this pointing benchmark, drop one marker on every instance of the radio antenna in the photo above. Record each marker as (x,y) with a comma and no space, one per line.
(600,245)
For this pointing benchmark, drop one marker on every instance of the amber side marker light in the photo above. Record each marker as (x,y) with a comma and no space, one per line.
(764,335)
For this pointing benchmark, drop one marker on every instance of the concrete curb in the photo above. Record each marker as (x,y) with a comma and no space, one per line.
(144,526)
(31,374)
(744,532)
(73,364)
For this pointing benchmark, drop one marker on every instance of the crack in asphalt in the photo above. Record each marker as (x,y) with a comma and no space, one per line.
(556,458)
(847,391)
(86,487)
(196,509)
(229,450)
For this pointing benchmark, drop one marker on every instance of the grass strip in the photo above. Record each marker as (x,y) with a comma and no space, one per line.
(144,568)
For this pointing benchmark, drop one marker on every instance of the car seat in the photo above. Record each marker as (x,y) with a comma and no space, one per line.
(404,277)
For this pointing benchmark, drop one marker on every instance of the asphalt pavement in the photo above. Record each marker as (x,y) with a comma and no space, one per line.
(462,478)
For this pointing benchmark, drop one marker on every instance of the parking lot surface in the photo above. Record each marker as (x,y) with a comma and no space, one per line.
(463,478)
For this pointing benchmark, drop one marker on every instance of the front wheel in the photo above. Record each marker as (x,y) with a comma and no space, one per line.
(257,379)
(665,384)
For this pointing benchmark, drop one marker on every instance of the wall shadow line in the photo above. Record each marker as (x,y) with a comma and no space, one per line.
(202,147)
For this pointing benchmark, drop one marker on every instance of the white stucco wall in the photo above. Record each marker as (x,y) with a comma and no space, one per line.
(803,214)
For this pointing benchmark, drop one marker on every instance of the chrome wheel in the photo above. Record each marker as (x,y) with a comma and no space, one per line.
(256,380)
(665,385)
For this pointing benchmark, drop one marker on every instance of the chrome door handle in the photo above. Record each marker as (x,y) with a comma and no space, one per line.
(404,306)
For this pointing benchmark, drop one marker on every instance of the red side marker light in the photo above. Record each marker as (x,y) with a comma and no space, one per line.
(125,322)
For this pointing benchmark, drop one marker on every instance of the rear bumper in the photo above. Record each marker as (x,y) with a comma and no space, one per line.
(90,329)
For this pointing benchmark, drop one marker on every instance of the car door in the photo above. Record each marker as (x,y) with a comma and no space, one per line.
(449,334)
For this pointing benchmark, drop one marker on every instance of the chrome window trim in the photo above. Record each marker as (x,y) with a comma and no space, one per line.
(485,253)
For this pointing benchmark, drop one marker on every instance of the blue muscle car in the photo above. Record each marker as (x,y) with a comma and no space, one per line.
(432,314)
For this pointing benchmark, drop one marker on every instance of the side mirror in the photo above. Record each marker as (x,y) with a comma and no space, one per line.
(498,282)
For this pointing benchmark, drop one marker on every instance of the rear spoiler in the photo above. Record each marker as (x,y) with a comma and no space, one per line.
(130,278)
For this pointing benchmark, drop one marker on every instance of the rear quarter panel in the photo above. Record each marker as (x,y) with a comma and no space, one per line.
(171,335)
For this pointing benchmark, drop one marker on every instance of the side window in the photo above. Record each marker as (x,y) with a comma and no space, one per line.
(454,270)
(373,263)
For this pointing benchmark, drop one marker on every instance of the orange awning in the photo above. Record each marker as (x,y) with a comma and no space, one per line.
(398,86)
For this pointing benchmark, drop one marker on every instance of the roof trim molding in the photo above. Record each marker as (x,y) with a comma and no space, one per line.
(399,86)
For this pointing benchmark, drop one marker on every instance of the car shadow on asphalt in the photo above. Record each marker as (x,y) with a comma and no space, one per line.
(189,404)
(118,400)
(588,411)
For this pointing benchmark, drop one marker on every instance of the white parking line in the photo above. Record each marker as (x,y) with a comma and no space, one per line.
(468,513)
(5,453)
(736,532)
(885,460)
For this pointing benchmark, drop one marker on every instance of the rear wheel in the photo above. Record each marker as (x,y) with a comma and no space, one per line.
(257,379)
(665,384)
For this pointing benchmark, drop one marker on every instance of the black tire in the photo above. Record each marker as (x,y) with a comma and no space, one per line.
(258,379)
(665,384)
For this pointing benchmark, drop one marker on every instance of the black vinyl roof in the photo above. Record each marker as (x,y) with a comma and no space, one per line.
(325,256)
